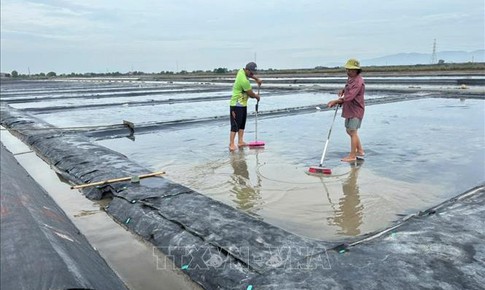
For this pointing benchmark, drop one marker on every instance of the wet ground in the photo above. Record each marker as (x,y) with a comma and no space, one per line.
(416,156)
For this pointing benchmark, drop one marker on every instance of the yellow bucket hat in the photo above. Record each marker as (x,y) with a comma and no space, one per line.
(352,64)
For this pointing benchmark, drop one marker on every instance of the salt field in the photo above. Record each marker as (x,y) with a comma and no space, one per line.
(221,219)
(415,157)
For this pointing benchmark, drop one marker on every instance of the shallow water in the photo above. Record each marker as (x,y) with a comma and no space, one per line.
(170,112)
(418,153)
(415,158)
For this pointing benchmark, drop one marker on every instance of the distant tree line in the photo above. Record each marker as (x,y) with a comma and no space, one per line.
(441,65)
(15,74)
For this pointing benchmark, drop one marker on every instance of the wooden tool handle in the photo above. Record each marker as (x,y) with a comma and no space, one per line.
(116,180)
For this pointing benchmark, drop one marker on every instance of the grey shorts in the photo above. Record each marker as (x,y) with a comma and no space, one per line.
(353,123)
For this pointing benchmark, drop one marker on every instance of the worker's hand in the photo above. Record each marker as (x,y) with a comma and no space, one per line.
(341,93)
(257,97)
(332,103)
(258,81)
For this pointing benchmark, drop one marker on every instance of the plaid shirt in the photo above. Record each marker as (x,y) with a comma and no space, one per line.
(354,105)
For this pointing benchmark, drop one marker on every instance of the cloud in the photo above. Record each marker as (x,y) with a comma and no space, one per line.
(220,33)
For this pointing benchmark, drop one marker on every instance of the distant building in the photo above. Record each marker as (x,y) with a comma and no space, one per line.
(4,75)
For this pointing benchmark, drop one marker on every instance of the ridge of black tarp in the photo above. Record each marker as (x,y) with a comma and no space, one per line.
(442,249)
(40,247)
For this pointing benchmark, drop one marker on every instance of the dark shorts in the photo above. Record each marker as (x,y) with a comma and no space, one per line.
(353,123)
(238,118)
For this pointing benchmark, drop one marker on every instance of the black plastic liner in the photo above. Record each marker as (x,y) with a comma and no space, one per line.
(40,247)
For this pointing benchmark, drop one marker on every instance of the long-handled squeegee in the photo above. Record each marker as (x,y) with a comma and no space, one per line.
(256,143)
(320,169)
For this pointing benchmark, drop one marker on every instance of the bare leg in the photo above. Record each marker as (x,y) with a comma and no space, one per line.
(240,138)
(359,148)
(232,146)
(354,142)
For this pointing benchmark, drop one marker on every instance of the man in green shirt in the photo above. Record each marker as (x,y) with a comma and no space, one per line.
(241,91)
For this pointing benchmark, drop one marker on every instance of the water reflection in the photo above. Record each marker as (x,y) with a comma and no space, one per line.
(348,215)
(247,194)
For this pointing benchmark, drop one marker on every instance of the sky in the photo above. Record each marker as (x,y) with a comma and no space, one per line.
(101,36)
